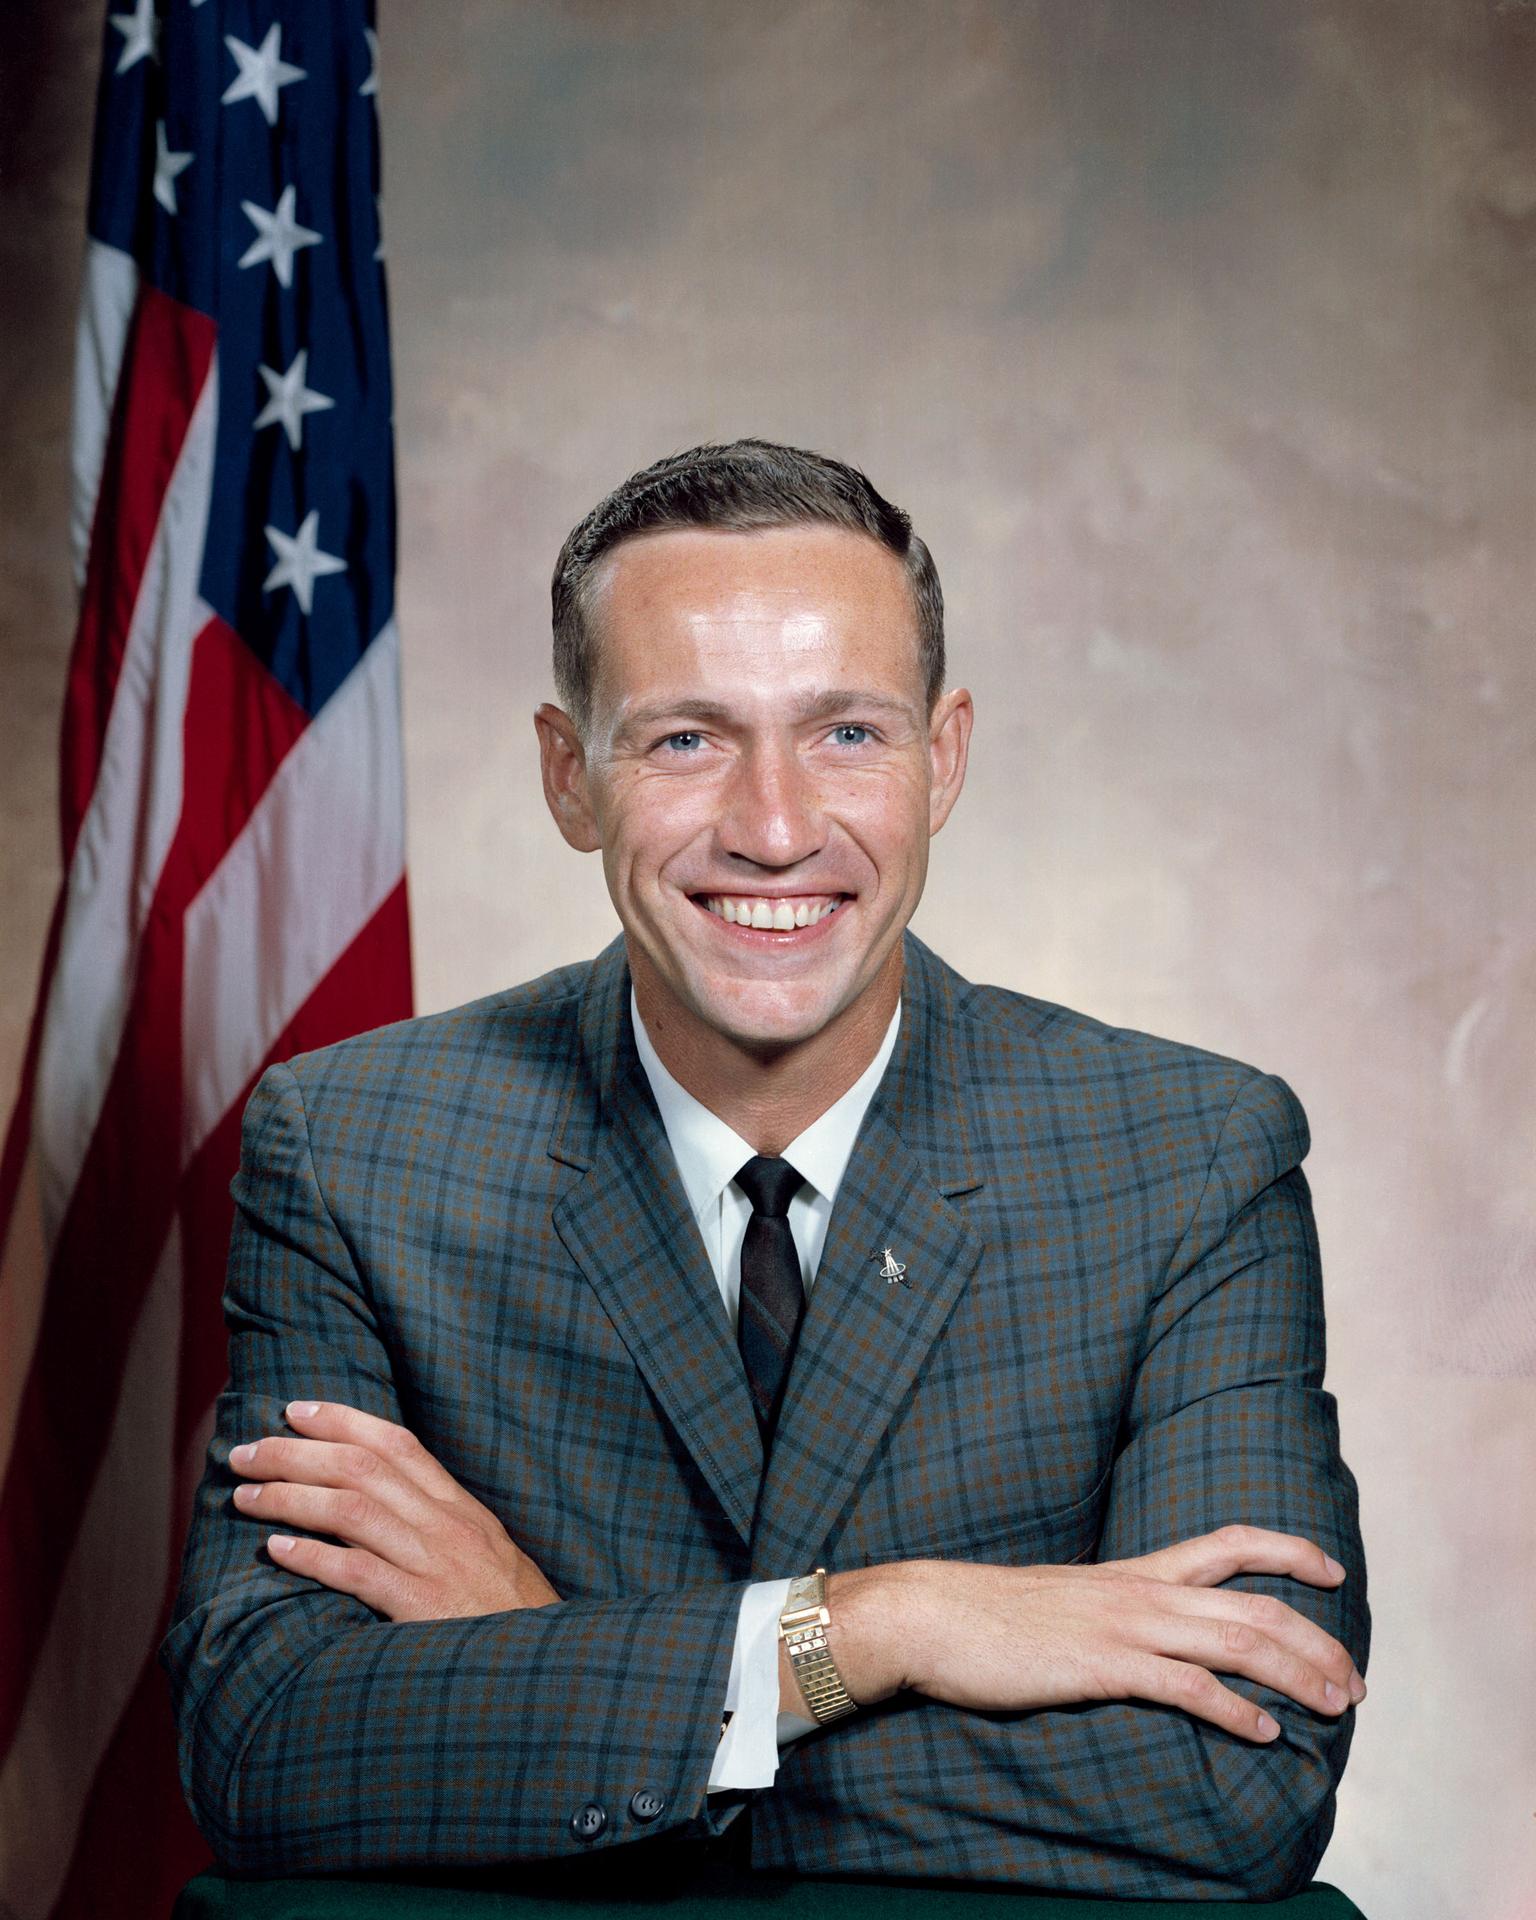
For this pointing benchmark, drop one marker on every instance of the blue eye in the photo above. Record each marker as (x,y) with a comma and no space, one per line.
(851,735)
(684,742)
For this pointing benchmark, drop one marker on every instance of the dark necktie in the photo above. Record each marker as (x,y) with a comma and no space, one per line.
(772,1298)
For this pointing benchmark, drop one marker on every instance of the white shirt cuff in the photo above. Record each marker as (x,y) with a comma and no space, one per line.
(748,1754)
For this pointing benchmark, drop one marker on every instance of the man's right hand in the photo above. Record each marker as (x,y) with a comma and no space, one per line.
(1158,1628)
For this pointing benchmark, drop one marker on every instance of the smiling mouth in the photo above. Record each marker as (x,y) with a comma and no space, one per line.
(778,913)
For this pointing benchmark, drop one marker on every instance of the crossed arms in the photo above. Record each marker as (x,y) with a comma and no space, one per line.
(1082,1736)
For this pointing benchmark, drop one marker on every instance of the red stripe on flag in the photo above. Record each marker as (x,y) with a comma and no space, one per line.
(206,1215)
(135,1811)
(136,1826)
(369,986)
(165,366)
(18,1134)
(239,726)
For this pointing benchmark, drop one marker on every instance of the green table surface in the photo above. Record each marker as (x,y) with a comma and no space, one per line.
(215,1896)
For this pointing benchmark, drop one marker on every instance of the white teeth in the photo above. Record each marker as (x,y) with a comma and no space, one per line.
(769,916)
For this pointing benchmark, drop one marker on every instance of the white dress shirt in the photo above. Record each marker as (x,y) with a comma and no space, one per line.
(709,1154)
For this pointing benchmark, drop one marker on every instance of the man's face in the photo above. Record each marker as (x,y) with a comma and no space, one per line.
(761,773)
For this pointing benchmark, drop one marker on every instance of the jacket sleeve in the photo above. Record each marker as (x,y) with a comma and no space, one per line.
(315,1735)
(1227,1421)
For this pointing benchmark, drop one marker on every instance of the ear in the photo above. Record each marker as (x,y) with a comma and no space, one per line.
(949,746)
(563,763)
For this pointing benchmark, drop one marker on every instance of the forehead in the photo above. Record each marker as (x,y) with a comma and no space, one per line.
(786,599)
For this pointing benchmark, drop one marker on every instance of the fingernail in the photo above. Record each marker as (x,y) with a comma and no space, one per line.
(1335,1696)
(243,1455)
(1268,1728)
(1356,1688)
(247,1493)
(303,1409)
(281,1542)
(1333,1566)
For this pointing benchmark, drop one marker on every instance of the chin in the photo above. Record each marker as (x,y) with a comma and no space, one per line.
(768,1019)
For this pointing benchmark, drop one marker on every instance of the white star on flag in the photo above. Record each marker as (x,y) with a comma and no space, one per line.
(262,71)
(299,561)
(141,34)
(167,166)
(371,84)
(288,399)
(278,236)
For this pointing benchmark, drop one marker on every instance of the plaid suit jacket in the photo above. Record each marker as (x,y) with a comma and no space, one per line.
(1110,1338)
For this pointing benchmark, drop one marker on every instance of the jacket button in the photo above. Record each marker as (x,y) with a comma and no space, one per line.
(647,1803)
(588,1822)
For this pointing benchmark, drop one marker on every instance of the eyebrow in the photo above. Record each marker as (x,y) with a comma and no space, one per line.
(820,706)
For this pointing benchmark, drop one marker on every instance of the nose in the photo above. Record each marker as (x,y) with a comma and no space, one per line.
(772,814)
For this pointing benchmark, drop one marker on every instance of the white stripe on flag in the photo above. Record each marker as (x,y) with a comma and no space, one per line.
(318,857)
(106,307)
(104,1620)
(128,827)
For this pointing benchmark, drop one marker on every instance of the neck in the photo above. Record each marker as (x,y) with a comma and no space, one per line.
(769,1096)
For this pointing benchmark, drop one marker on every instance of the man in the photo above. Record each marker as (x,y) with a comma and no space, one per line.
(764,1243)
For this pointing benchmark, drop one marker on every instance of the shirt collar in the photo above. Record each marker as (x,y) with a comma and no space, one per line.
(709,1153)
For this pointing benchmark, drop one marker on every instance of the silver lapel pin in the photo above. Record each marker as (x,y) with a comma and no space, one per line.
(893,1269)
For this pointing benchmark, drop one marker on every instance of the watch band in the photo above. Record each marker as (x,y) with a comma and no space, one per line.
(803,1629)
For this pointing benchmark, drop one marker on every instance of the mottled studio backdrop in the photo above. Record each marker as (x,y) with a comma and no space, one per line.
(1200,339)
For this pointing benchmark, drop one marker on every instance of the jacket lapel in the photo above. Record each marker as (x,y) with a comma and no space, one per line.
(629,1228)
(864,1337)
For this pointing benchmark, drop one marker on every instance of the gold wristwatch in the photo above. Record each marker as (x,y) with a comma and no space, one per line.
(803,1629)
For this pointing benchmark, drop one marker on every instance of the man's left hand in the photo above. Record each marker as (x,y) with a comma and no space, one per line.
(415,1544)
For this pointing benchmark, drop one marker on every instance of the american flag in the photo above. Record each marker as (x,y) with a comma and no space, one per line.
(233,858)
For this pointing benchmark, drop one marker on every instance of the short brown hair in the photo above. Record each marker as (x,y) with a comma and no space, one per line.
(743,487)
